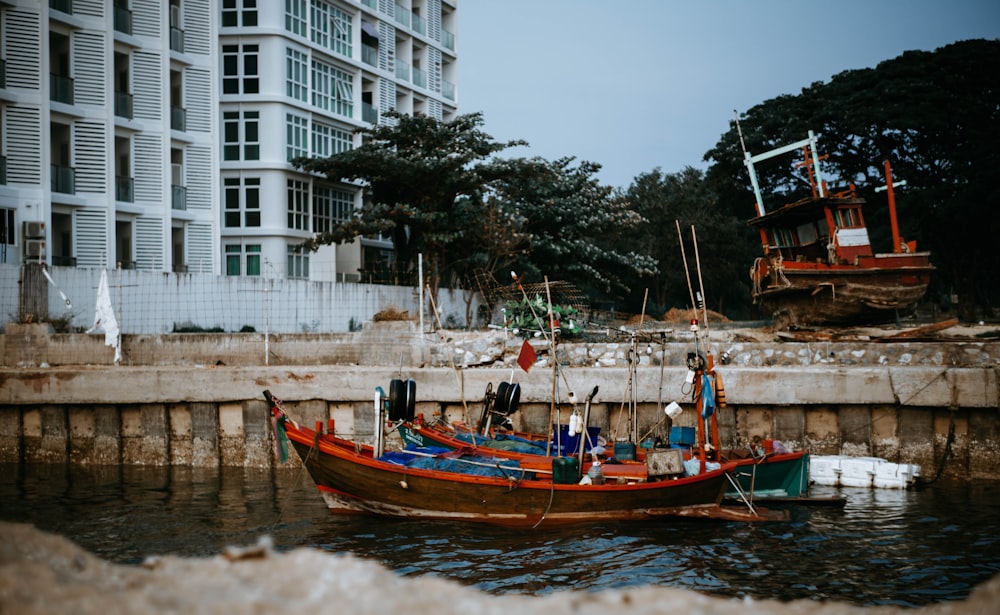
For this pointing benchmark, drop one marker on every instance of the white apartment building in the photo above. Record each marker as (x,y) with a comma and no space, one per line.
(157,134)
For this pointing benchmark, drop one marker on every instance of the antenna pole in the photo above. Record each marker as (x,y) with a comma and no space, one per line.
(701,285)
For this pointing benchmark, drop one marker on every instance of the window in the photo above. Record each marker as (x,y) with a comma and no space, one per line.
(333,89)
(298,263)
(240,74)
(327,140)
(331,28)
(239,13)
(298,205)
(848,218)
(243,260)
(241,131)
(295,16)
(297,135)
(297,77)
(330,208)
(241,197)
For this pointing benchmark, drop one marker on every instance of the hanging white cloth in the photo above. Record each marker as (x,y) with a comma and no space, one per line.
(104,317)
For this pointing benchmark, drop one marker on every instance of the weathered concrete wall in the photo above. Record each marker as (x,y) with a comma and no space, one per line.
(384,343)
(193,399)
(400,343)
(217,416)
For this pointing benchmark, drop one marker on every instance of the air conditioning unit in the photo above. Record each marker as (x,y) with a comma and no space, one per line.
(34,249)
(33,230)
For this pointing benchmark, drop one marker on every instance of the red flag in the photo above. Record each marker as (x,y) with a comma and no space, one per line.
(527,357)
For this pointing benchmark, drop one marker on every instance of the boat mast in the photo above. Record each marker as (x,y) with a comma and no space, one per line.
(897,246)
(749,161)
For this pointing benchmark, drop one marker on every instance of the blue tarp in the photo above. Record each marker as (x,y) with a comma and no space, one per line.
(481,466)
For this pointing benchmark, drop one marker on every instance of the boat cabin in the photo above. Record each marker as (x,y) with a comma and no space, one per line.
(800,231)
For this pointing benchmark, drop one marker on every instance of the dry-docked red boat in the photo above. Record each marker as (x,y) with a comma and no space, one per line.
(818,266)
(421,484)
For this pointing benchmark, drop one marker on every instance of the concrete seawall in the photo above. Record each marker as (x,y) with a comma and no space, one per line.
(936,416)
(198,399)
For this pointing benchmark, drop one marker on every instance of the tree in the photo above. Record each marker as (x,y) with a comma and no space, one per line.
(685,198)
(577,227)
(423,179)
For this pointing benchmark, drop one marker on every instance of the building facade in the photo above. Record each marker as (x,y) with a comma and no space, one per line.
(157,135)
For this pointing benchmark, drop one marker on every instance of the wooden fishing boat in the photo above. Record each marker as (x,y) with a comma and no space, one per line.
(354,478)
(818,266)
(767,474)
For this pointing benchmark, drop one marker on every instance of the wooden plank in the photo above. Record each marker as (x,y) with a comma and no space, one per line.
(922,330)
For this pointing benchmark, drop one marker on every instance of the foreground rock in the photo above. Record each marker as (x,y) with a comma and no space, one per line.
(43,573)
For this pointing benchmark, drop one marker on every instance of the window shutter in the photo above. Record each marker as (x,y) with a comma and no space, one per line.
(149,243)
(90,157)
(22,32)
(91,237)
(23,129)
(149,167)
(147,93)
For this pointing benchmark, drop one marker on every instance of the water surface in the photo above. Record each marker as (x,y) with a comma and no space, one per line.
(909,548)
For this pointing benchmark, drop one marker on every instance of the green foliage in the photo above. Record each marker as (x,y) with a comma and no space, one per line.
(577,228)
(193,328)
(724,244)
(528,317)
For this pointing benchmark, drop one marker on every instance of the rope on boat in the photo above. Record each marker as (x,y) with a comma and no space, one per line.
(552,497)
(742,494)
(298,479)
(779,269)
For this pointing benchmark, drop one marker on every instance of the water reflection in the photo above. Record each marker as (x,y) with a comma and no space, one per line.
(883,547)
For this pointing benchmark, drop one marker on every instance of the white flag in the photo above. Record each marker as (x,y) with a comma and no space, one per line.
(104,317)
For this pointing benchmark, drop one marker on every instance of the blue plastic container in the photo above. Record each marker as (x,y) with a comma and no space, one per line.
(568,444)
(682,436)
(625,451)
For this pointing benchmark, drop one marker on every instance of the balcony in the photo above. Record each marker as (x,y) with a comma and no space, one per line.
(369,113)
(419,78)
(382,273)
(402,15)
(178,198)
(126,264)
(63,179)
(123,20)
(180,268)
(125,189)
(369,55)
(178,118)
(448,89)
(65,6)
(176,40)
(402,70)
(123,105)
(61,88)
(63,261)
(448,40)
(419,25)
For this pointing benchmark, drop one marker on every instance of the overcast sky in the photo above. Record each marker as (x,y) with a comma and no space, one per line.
(638,84)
